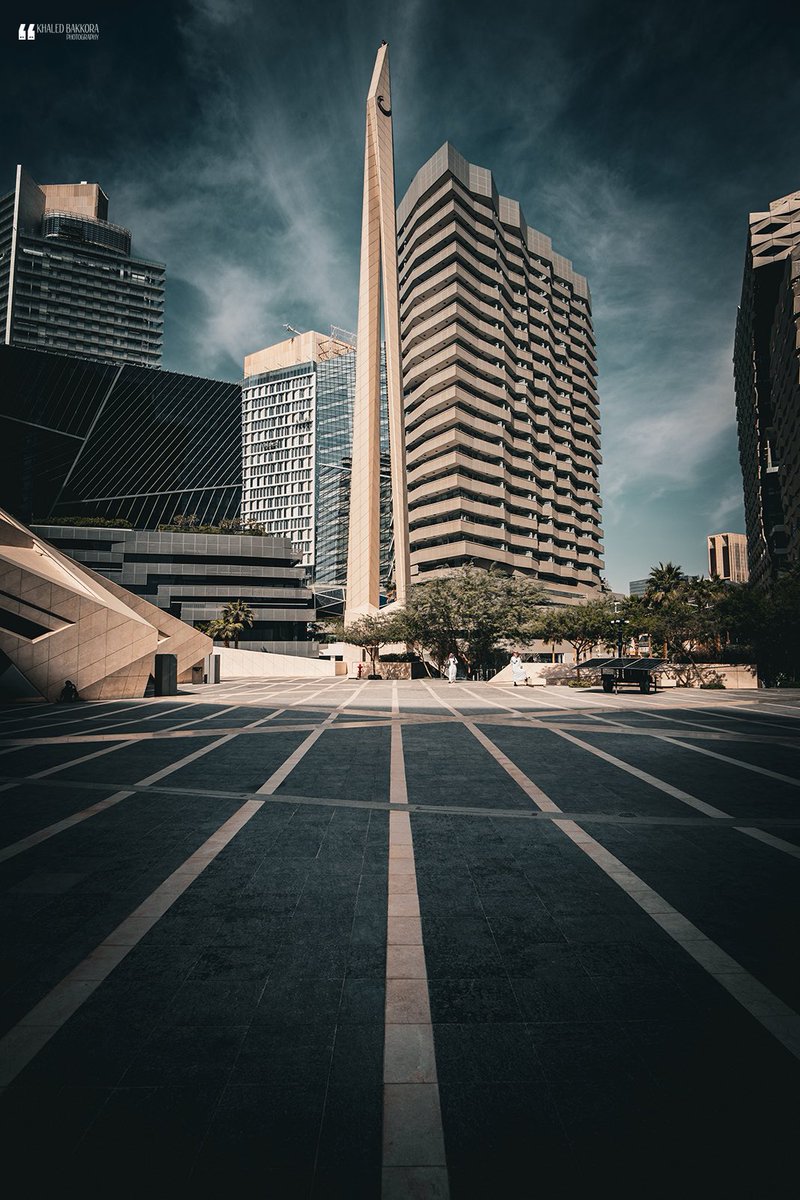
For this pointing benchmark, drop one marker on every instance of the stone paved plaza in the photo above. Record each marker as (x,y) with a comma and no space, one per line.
(359,939)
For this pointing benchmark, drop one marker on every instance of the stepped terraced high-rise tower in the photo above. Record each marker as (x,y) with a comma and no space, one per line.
(502,426)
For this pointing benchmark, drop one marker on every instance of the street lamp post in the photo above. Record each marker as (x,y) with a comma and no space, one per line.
(619,622)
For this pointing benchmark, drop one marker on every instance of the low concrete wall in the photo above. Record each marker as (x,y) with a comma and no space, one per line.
(389,670)
(730,675)
(255,664)
(680,675)
(538,673)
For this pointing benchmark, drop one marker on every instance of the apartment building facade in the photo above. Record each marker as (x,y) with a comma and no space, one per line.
(502,419)
(69,282)
(766,368)
(727,557)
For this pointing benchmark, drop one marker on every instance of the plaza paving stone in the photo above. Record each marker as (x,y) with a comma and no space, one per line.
(197,989)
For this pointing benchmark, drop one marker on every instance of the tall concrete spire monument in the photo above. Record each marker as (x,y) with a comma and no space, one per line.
(378,265)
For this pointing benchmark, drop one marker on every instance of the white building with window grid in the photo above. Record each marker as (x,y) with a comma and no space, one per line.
(297,431)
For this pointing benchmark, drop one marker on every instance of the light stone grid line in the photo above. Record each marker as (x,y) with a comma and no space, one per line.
(277,777)
(49,831)
(95,754)
(685,706)
(414,1162)
(768,839)
(768,1009)
(25,1039)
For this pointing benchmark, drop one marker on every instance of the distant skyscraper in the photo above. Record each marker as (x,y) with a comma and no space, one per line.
(297,429)
(502,425)
(767,380)
(68,282)
(638,587)
(727,556)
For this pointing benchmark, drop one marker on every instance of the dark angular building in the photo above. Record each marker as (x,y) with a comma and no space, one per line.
(766,368)
(114,440)
(192,575)
(68,280)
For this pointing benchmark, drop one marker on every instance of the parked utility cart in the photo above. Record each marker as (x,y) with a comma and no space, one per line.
(621,672)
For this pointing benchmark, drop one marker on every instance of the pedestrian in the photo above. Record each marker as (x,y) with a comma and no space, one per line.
(69,693)
(452,668)
(518,672)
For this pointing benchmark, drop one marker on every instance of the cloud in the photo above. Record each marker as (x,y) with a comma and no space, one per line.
(729,505)
(259,209)
(664,314)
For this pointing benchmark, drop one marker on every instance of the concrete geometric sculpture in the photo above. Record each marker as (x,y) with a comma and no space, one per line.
(60,620)
(378,264)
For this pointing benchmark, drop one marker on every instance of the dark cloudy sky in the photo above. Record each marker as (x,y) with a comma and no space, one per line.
(228,135)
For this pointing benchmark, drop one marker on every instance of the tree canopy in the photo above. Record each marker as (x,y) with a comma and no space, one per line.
(229,625)
(469,613)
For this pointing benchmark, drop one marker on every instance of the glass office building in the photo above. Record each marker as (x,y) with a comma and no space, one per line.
(113,440)
(297,431)
(68,280)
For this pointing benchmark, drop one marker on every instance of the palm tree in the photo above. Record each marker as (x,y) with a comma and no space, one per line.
(219,630)
(663,582)
(237,615)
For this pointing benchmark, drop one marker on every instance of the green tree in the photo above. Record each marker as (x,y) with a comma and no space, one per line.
(663,582)
(228,626)
(369,633)
(470,612)
(761,623)
(239,616)
(219,630)
(429,621)
(581,626)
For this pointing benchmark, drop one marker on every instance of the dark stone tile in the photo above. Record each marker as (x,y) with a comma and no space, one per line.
(358,1056)
(291,1054)
(152,1130)
(497,1134)
(619,958)
(245,963)
(267,1127)
(472,1000)
(495,1052)
(289,1001)
(213,1002)
(556,995)
(86,1054)
(349,1156)
(65,1113)
(186,1054)
(362,1000)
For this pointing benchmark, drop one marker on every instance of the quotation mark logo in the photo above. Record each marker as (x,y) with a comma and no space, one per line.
(27,32)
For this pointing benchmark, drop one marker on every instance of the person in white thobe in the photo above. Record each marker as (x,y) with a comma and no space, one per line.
(452,668)
(518,672)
